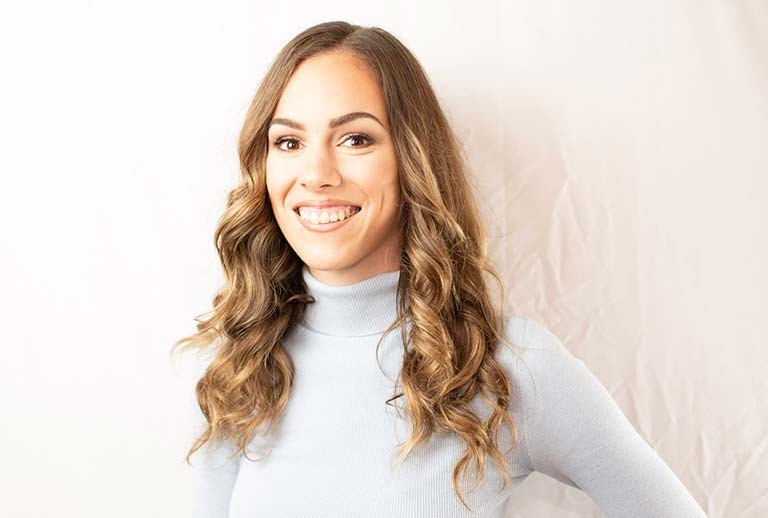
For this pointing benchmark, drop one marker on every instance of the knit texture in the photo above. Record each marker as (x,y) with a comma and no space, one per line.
(333,452)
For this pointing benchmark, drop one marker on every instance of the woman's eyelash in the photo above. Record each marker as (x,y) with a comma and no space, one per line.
(366,139)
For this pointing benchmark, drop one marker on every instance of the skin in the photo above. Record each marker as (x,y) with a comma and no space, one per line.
(321,162)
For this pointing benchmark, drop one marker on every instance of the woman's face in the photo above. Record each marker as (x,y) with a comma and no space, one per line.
(339,166)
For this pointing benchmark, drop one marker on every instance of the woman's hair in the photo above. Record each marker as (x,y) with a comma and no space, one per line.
(448,357)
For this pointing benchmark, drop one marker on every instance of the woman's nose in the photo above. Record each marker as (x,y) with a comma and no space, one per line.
(320,168)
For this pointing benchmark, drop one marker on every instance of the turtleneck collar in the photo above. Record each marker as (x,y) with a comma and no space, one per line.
(364,308)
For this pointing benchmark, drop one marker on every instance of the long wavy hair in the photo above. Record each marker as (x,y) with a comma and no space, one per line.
(449,352)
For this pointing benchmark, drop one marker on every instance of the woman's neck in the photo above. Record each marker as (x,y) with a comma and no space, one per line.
(363,308)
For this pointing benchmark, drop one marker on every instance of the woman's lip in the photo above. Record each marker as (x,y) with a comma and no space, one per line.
(324,227)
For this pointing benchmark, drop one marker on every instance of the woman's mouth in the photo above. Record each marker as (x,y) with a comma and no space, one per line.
(327,218)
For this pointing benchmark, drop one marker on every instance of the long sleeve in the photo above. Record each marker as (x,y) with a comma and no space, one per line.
(213,477)
(577,434)
(214,480)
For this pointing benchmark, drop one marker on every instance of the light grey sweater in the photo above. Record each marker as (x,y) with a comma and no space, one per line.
(334,449)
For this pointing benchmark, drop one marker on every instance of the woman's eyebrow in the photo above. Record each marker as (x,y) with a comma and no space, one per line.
(338,121)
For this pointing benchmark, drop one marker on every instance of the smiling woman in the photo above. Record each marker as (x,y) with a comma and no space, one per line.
(356,218)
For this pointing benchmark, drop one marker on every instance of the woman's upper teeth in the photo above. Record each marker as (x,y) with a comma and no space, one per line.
(327,214)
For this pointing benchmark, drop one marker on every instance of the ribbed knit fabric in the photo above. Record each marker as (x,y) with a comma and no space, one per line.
(333,452)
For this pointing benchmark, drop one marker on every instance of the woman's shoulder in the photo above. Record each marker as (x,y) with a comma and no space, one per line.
(530,342)
(530,335)
(538,362)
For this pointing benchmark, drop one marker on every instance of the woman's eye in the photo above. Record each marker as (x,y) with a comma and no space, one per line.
(359,137)
(279,143)
(359,140)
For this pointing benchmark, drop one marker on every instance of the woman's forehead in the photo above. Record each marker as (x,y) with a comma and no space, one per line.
(328,85)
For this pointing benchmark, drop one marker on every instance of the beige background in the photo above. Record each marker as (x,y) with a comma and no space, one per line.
(632,211)
(620,148)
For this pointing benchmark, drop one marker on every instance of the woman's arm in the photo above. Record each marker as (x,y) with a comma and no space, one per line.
(213,481)
(213,475)
(577,434)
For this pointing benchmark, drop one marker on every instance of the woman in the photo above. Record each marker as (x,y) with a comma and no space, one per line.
(362,367)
